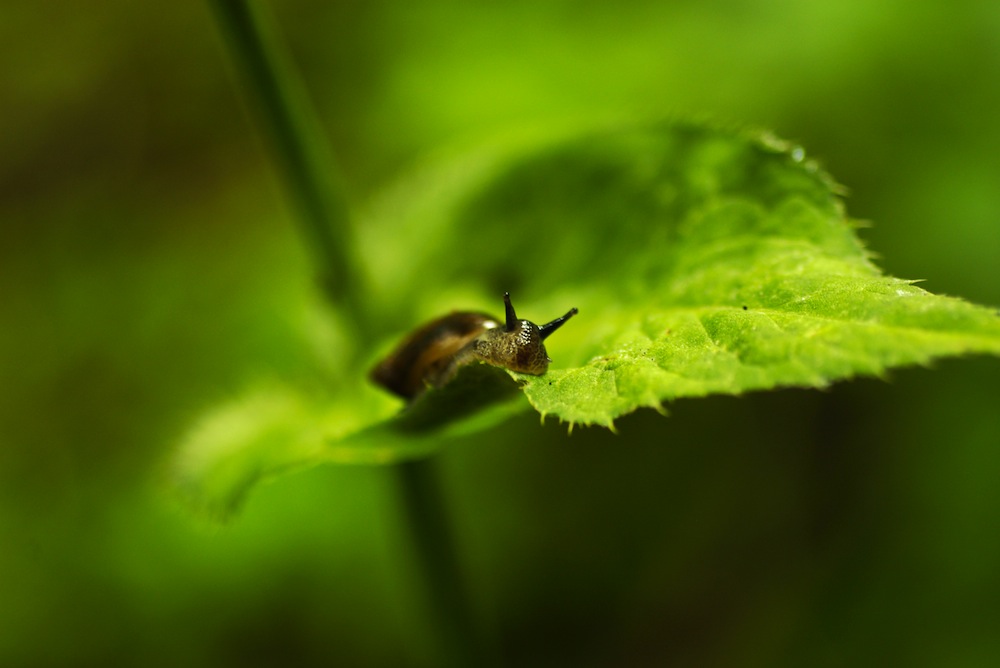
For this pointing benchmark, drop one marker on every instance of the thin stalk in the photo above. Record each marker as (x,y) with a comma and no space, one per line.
(300,147)
(452,620)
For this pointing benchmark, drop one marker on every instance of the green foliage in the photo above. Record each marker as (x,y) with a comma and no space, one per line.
(151,268)
(702,262)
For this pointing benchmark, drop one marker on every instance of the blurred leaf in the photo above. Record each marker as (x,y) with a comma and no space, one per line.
(265,432)
(702,262)
(277,429)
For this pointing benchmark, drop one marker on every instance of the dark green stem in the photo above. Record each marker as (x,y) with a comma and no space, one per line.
(300,147)
(425,516)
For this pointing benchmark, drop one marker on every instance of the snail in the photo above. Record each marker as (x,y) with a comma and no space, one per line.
(430,356)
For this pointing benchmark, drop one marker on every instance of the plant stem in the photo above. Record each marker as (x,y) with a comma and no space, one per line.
(457,640)
(300,148)
(324,222)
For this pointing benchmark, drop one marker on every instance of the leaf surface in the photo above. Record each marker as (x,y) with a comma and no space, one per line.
(702,262)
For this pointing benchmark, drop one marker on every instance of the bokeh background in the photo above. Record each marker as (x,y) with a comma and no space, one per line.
(149,268)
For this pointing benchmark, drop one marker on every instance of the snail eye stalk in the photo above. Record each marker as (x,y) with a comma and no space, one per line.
(511,316)
(550,327)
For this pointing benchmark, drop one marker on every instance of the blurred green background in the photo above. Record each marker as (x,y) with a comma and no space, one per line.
(149,268)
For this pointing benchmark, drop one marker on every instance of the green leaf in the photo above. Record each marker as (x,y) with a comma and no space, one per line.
(702,261)
(278,428)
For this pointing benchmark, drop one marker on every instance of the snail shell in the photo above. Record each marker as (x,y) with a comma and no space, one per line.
(430,356)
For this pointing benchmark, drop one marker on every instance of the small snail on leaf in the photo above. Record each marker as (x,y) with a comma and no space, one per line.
(430,356)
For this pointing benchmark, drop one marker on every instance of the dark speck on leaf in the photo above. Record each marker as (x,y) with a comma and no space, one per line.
(744,308)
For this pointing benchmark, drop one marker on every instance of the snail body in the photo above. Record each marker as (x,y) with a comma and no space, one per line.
(430,356)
